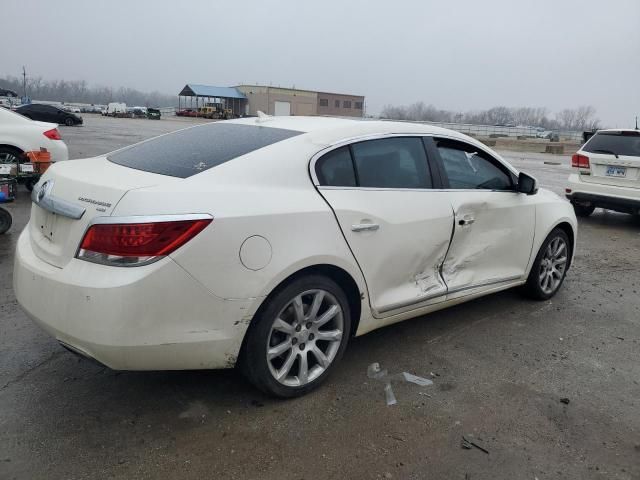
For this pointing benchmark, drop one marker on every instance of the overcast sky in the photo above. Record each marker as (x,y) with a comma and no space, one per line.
(458,55)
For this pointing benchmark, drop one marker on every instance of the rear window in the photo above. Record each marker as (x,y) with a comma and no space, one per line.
(618,143)
(194,150)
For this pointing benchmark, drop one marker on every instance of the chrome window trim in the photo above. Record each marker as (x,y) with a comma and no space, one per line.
(442,190)
(379,136)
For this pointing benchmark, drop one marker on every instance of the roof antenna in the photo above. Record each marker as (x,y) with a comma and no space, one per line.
(637,123)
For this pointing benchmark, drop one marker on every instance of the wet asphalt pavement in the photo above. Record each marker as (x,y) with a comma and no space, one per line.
(501,366)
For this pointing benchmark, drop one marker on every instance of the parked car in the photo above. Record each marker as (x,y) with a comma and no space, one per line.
(49,113)
(269,242)
(544,134)
(153,113)
(19,135)
(116,109)
(137,112)
(607,173)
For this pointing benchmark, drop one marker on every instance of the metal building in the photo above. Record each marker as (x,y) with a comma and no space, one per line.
(292,101)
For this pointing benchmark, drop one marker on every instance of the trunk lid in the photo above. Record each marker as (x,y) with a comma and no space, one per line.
(94,185)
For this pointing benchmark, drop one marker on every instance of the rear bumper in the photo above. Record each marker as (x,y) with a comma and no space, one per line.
(156,317)
(619,199)
(59,150)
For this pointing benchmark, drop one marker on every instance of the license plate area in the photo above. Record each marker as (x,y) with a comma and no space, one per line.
(613,171)
(47,224)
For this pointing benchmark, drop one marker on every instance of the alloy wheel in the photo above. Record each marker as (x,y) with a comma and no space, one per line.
(305,338)
(8,157)
(553,265)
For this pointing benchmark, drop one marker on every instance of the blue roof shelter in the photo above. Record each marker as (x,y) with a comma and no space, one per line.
(193,96)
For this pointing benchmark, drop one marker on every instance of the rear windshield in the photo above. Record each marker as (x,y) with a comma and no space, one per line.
(618,143)
(194,150)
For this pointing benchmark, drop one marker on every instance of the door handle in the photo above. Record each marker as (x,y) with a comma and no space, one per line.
(363,227)
(466,221)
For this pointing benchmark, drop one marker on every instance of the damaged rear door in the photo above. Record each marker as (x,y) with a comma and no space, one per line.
(494,225)
(396,225)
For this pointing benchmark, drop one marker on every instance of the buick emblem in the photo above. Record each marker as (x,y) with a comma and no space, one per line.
(44,190)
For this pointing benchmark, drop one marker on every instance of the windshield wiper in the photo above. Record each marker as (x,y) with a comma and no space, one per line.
(600,150)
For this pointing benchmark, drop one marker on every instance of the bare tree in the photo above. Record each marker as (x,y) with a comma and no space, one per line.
(79,91)
(582,118)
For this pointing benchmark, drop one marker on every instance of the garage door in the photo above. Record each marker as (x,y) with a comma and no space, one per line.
(304,109)
(282,109)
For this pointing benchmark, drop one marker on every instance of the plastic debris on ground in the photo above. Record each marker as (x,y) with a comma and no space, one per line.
(423,382)
(389,395)
(469,442)
(375,372)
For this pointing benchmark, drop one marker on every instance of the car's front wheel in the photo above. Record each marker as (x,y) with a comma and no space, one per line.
(298,337)
(68,122)
(550,266)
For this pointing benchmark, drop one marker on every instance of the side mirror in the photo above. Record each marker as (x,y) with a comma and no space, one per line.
(527,184)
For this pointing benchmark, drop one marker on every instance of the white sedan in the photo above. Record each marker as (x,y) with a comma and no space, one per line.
(269,242)
(19,134)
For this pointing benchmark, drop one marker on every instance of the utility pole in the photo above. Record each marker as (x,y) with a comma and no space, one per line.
(24,81)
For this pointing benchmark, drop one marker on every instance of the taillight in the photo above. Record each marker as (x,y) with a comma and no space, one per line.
(134,244)
(52,134)
(580,161)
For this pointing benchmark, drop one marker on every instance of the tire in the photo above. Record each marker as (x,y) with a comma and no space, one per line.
(68,122)
(298,336)
(583,211)
(30,183)
(6,154)
(5,220)
(542,283)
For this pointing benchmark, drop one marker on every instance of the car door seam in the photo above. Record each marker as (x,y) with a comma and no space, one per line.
(444,259)
(353,255)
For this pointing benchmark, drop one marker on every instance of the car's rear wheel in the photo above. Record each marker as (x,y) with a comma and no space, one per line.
(550,266)
(5,220)
(9,155)
(583,210)
(298,337)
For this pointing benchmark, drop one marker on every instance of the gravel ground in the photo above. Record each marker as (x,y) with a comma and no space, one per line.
(501,366)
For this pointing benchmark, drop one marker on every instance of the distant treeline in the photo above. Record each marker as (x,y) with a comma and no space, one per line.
(581,118)
(79,91)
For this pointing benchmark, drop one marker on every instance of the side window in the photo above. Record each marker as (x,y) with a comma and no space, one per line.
(468,167)
(397,162)
(335,169)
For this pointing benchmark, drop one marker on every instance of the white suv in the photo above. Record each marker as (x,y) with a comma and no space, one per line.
(607,173)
